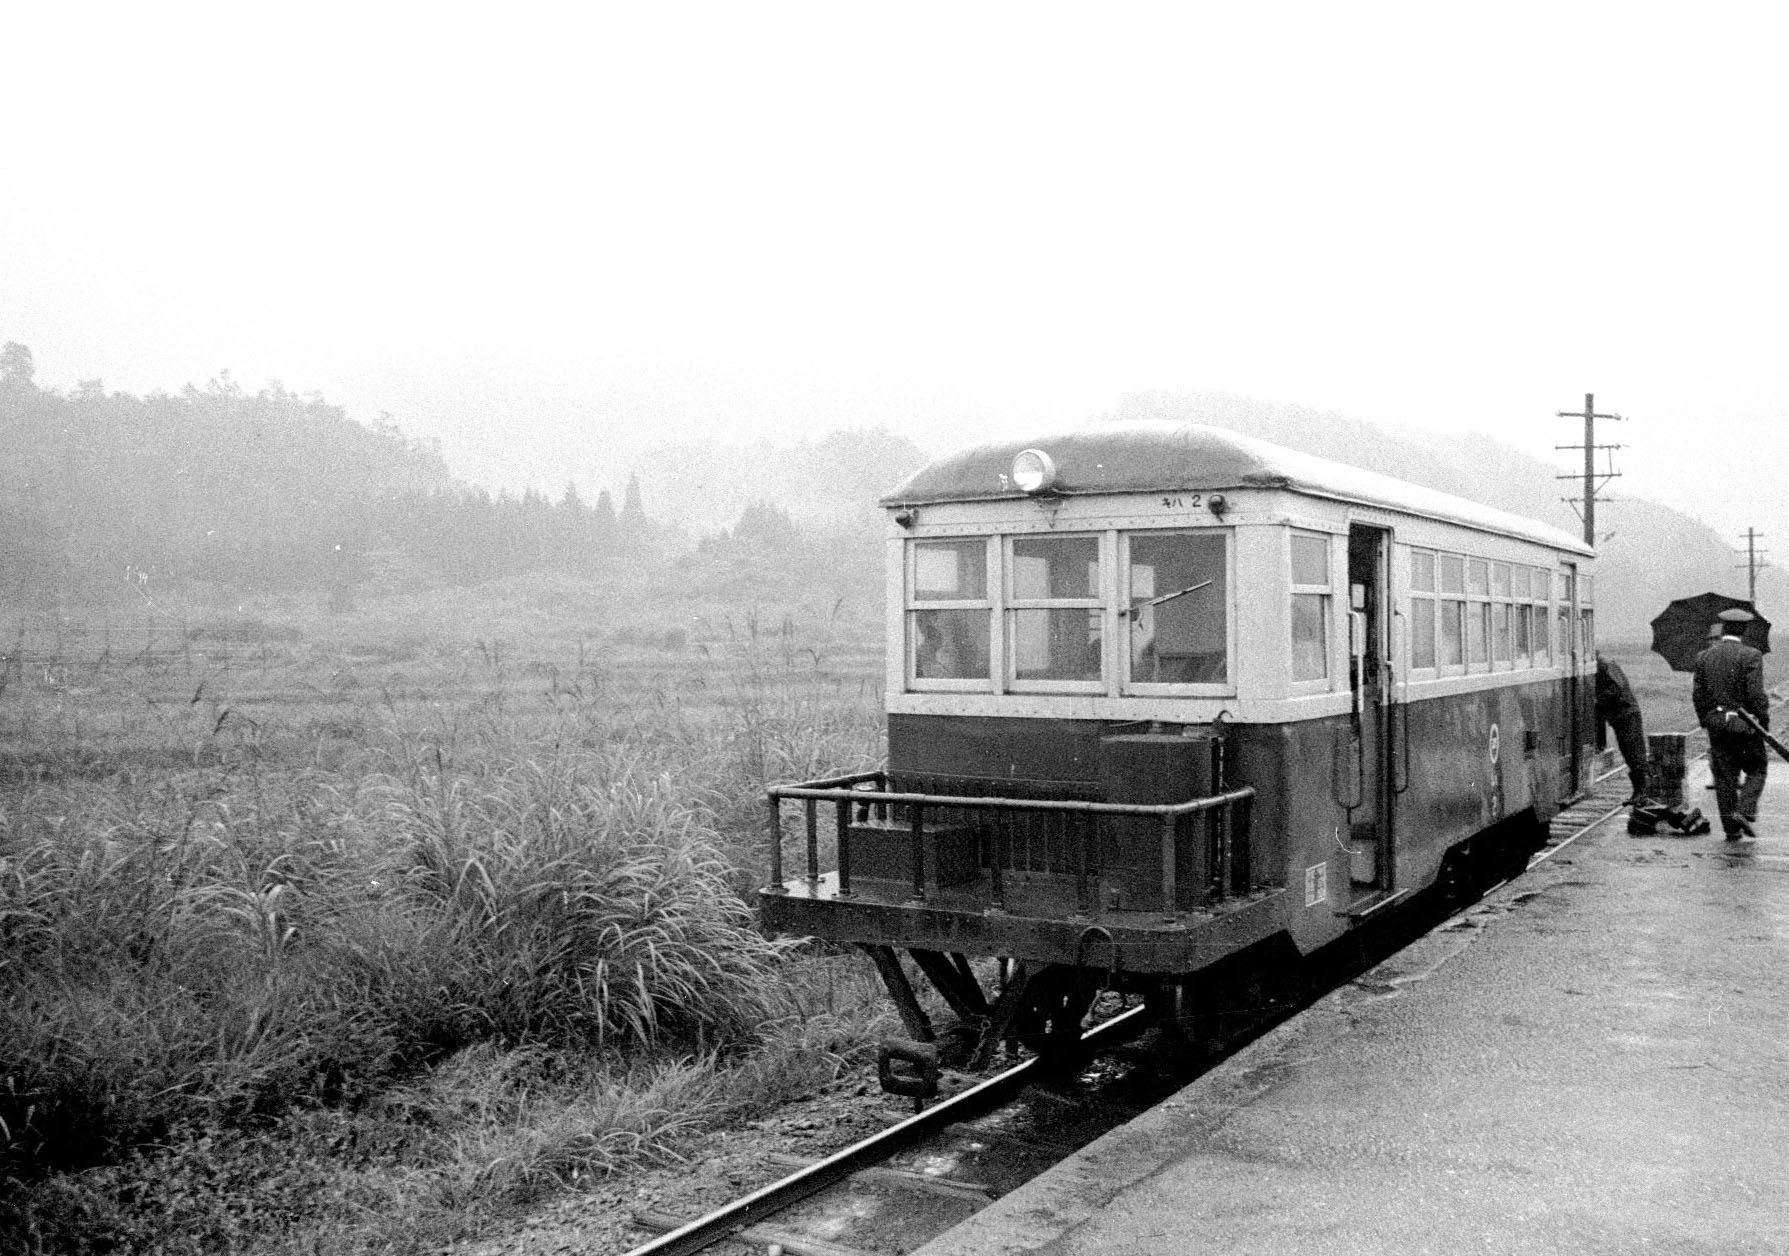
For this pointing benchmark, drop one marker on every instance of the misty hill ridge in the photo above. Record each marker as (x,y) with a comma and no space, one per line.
(279,490)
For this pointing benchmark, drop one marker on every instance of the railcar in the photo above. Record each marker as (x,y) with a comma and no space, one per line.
(1170,707)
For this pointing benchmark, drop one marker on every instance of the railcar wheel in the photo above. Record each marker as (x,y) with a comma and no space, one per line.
(1205,1013)
(1055,1003)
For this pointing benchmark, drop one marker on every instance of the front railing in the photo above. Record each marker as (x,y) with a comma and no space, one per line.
(869,794)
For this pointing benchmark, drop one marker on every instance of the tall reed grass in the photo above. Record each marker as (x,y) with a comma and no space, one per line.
(497,854)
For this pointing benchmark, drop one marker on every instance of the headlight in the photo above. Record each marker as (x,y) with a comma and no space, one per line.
(1034,471)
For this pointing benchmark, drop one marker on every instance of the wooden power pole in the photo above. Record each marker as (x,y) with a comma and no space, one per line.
(1754,560)
(1587,512)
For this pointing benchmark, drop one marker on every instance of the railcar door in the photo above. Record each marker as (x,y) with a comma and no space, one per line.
(1370,818)
(1571,652)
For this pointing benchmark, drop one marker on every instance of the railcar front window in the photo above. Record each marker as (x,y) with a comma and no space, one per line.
(1056,611)
(950,645)
(950,571)
(1310,606)
(948,610)
(1177,600)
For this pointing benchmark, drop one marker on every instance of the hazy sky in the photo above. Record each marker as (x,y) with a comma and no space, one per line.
(544,234)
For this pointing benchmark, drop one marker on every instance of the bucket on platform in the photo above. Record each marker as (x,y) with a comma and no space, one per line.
(1665,753)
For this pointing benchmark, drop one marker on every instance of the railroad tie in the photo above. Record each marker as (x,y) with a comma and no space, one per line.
(950,1188)
(758,1235)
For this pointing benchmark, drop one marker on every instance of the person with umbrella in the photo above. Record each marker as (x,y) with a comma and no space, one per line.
(1729,687)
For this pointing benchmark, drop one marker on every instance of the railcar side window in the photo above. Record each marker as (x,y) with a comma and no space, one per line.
(1450,574)
(1055,611)
(1422,608)
(1310,606)
(1543,617)
(1177,600)
(948,616)
(1524,618)
(1478,614)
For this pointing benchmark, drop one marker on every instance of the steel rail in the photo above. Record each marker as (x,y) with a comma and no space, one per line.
(768,1200)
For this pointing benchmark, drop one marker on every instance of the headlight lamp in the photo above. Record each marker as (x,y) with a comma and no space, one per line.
(1034,471)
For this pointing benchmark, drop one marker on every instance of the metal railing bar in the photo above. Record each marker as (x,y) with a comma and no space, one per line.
(1190,807)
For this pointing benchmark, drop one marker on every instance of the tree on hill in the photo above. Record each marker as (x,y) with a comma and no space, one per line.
(763,528)
(829,484)
(17,367)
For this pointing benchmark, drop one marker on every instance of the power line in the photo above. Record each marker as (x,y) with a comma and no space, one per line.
(1592,485)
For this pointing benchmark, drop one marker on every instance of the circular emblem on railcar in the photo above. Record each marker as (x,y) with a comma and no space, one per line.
(1496,743)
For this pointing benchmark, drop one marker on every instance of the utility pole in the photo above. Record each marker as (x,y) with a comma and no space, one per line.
(1754,557)
(1591,483)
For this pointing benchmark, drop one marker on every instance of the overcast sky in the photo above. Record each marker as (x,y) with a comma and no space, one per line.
(544,234)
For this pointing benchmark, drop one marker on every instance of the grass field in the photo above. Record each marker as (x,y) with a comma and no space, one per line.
(348,933)
(1664,695)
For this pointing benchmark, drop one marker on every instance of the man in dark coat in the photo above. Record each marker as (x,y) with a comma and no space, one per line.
(1617,709)
(1730,679)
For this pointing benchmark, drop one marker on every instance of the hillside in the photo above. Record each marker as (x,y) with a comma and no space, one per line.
(827,484)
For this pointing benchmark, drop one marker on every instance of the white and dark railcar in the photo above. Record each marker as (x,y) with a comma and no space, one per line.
(1169,706)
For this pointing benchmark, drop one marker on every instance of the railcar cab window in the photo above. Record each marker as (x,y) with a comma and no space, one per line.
(1054,612)
(1311,609)
(948,611)
(1107,612)
(1176,600)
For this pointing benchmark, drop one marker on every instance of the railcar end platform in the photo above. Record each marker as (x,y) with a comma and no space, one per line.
(1595,1058)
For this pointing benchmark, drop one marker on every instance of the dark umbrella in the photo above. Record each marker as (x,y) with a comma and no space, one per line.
(1680,632)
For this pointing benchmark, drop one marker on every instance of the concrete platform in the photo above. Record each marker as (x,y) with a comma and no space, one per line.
(1593,1060)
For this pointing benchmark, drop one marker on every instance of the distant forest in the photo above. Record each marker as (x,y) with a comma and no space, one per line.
(275,490)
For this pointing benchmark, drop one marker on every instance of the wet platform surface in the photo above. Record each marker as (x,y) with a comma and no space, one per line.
(1595,1059)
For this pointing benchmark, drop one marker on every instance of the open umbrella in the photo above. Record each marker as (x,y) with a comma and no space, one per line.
(1680,632)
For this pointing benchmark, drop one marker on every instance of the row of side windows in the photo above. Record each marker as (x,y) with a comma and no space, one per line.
(1474,614)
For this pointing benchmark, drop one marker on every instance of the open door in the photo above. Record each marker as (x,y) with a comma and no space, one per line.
(1370,818)
(1571,653)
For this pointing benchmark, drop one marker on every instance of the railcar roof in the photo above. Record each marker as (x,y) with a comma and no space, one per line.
(1165,455)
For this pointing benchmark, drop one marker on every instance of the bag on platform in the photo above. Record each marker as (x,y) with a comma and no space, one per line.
(1648,819)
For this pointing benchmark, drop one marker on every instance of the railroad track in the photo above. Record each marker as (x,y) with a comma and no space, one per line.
(999,1132)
